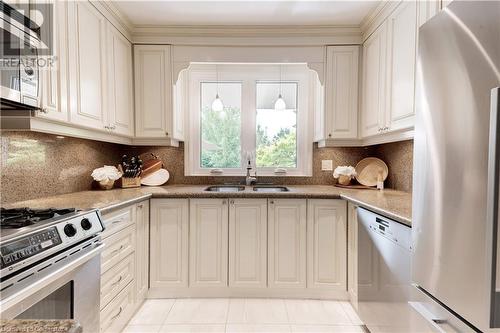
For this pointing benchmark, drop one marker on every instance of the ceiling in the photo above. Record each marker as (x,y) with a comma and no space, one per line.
(236,12)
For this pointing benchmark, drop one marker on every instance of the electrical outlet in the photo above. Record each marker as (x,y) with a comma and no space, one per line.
(327,165)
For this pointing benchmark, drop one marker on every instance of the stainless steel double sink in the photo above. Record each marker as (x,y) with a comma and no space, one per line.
(239,188)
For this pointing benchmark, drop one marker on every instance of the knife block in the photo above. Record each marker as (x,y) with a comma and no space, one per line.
(129,182)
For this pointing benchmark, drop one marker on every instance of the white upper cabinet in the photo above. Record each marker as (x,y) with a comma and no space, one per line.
(374,71)
(87,55)
(426,10)
(341,106)
(120,83)
(389,57)
(401,59)
(153,91)
(54,88)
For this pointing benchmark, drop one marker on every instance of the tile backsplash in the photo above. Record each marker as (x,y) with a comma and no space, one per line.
(36,165)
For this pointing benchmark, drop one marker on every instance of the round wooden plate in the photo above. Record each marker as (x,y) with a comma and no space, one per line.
(367,171)
(157,178)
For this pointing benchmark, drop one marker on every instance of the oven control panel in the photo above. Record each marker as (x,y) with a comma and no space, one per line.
(29,246)
(38,245)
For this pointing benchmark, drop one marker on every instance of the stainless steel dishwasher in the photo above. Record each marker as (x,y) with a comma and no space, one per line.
(384,279)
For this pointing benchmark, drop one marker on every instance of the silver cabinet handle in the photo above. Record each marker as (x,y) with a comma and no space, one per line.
(106,127)
(118,250)
(118,314)
(117,221)
(117,281)
(112,127)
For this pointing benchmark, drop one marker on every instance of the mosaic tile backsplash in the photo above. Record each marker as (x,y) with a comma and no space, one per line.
(35,165)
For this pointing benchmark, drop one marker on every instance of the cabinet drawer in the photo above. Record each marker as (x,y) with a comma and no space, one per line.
(116,278)
(117,247)
(116,314)
(117,221)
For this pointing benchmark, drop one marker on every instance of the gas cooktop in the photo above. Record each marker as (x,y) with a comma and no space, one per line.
(22,217)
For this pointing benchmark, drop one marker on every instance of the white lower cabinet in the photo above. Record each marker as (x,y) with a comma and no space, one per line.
(248,247)
(287,243)
(248,243)
(124,265)
(169,243)
(352,253)
(327,244)
(142,250)
(208,249)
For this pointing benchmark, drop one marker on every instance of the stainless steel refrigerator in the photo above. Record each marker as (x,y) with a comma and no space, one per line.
(456,168)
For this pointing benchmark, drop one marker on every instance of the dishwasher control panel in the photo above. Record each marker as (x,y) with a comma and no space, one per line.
(392,230)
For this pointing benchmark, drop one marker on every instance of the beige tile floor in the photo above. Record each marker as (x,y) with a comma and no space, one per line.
(244,315)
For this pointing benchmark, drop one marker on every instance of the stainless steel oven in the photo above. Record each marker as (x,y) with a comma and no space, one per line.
(51,269)
(19,75)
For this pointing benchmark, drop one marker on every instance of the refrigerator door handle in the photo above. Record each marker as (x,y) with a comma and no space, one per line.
(493,204)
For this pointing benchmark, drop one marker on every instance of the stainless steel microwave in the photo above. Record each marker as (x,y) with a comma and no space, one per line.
(19,75)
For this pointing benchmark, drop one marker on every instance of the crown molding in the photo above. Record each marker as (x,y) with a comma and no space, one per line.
(246,35)
(376,17)
(115,16)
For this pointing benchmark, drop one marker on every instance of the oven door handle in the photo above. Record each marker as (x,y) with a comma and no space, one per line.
(49,277)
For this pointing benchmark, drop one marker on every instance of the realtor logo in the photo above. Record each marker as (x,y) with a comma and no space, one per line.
(27,29)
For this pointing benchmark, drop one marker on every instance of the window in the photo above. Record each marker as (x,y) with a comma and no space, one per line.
(248,126)
(220,130)
(276,131)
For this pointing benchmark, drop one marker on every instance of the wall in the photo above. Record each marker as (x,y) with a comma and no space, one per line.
(35,165)
(173,159)
(398,156)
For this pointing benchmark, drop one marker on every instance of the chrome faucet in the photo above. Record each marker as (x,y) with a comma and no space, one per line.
(249,180)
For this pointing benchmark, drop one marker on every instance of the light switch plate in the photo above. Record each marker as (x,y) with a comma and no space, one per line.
(327,165)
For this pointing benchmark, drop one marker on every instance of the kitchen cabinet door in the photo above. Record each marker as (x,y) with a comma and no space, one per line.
(208,251)
(142,250)
(169,242)
(426,10)
(87,55)
(352,253)
(153,91)
(374,77)
(342,92)
(401,59)
(326,244)
(248,243)
(54,78)
(287,243)
(120,80)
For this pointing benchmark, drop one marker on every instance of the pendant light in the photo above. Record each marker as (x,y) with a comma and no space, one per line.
(217,104)
(280,104)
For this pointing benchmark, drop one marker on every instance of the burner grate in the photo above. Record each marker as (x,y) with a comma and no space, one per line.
(21,217)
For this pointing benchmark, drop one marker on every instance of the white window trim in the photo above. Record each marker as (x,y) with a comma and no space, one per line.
(248,76)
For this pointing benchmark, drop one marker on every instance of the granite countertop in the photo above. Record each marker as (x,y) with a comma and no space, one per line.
(34,325)
(392,204)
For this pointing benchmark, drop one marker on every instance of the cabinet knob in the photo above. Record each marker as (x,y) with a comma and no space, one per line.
(224,202)
(44,110)
(271,202)
(140,206)
(106,127)
(232,202)
(166,133)
(112,127)
(329,135)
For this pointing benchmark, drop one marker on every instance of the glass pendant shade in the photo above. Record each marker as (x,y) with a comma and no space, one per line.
(280,104)
(217,104)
